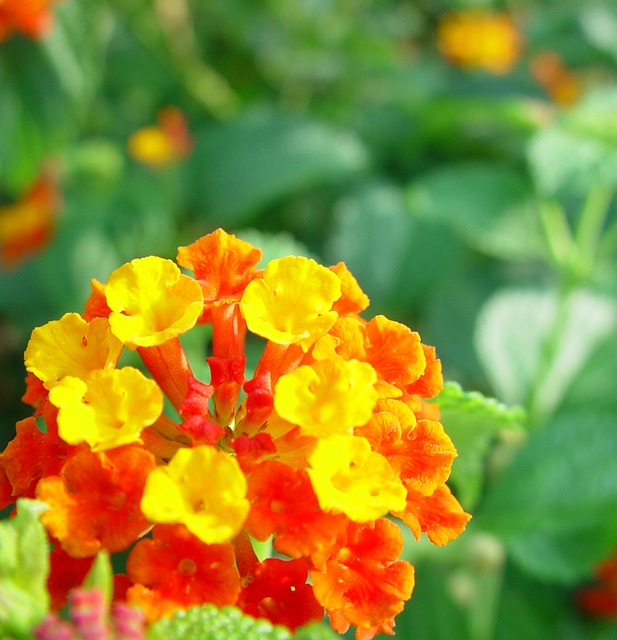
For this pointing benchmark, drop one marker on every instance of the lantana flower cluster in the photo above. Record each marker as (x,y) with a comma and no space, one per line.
(323,446)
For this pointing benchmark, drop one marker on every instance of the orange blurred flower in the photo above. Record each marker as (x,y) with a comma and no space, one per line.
(165,143)
(600,599)
(27,226)
(32,18)
(479,39)
(550,72)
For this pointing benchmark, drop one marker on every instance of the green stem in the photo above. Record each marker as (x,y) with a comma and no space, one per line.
(589,230)
(558,236)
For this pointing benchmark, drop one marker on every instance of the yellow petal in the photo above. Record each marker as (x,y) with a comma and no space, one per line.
(152,302)
(292,303)
(349,478)
(107,409)
(202,488)
(328,397)
(71,347)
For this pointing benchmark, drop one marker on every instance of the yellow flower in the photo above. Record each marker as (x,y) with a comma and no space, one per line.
(479,39)
(349,478)
(292,303)
(151,302)
(107,409)
(202,488)
(71,346)
(330,396)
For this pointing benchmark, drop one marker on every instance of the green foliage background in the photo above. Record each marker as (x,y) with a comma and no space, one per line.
(467,205)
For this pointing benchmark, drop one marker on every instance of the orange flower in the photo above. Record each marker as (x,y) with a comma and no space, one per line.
(284,504)
(600,599)
(175,569)
(32,455)
(223,265)
(277,590)
(65,574)
(31,18)
(365,584)
(550,72)
(27,226)
(94,503)
(439,515)
(479,39)
(394,351)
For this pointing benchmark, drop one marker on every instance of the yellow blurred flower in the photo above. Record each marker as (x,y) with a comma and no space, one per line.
(479,39)
(160,145)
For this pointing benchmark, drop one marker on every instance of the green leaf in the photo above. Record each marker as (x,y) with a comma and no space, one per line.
(584,142)
(244,166)
(532,345)
(24,567)
(100,576)
(432,612)
(391,256)
(555,506)
(487,205)
(530,609)
(208,622)
(472,421)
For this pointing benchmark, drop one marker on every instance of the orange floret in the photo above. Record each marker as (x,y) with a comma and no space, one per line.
(65,574)
(277,590)
(175,570)
(365,584)
(223,265)
(394,351)
(32,455)
(284,504)
(94,503)
(353,299)
(439,515)
(32,18)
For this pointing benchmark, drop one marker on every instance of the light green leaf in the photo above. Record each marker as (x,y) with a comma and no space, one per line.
(472,421)
(487,205)
(532,347)
(583,141)
(555,506)
(100,576)
(243,166)
(24,567)
(391,255)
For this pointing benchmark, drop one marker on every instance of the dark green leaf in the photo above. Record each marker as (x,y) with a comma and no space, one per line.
(243,166)
(487,205)
(555,506)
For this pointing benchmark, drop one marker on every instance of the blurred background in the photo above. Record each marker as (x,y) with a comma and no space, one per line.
(459,157)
